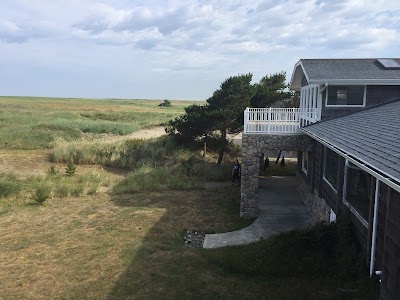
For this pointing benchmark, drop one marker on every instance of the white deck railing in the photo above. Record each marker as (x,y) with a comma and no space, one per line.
(283,121)
(272,120)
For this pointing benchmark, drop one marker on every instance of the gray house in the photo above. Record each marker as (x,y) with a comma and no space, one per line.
(347,134)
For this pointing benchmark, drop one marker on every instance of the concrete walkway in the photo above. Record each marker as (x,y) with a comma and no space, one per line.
(280,209)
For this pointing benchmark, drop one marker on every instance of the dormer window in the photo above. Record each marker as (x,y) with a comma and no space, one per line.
(346,96)
(341,94)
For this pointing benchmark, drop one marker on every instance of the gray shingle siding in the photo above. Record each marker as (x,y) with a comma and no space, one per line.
(375,94)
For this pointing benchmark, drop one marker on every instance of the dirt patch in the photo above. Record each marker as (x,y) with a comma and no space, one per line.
(148,133)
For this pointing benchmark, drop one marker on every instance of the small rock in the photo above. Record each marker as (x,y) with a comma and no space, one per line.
(194,239)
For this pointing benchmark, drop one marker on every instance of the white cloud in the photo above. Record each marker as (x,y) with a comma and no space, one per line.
(192,38)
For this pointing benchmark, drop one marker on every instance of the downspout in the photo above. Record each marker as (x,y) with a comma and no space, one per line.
(374,229)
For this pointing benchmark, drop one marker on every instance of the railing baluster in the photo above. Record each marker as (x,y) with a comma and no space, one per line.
(275,120)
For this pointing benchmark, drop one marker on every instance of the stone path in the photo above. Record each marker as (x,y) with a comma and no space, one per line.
(280,209)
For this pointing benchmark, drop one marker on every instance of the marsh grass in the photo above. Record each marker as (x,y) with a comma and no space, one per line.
(163,154)
(146,179)
(61,189)
(34,123)
(121,154)
(41,187)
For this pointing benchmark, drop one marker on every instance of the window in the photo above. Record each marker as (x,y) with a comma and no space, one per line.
(341,94)
(357,191)
(304,162)
(352,95)
(331,167)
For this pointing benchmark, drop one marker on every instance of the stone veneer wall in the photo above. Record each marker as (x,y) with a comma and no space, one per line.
(319,209)
(252,146)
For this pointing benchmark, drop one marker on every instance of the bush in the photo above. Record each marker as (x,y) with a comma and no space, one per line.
(9,188)
(70,169)
(43,191)
(52,171)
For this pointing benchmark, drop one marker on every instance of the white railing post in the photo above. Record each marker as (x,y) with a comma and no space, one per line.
(246,120)
(269,120)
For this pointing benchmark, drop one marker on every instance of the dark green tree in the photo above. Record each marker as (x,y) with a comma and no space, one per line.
(222,113)
(270,90)
(193,124)
(227,104)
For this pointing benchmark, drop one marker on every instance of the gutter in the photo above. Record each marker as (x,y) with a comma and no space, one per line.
(356,81)
(374,229)
(394,183)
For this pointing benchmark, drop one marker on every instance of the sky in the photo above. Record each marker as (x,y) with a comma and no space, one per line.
(174,49)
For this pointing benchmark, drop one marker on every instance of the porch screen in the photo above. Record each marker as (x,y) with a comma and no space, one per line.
(331,167)
(345,95)
(358,189)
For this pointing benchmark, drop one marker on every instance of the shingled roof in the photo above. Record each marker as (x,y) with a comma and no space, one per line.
(344,71)
(372,136)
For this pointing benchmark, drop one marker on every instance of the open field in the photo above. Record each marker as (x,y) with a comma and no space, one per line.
(34,123)
(114,229)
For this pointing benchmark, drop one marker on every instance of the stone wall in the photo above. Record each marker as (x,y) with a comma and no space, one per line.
(252,148)
(319,209)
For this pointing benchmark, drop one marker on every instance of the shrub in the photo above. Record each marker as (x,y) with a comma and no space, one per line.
(42,192)
(70,169)
(52,171)
(9,188)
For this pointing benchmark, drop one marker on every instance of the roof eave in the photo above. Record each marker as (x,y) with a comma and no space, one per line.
(355,81)
(376,172)
(295,81)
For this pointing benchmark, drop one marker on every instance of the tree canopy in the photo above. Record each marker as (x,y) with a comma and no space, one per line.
(223,112)
(270,90)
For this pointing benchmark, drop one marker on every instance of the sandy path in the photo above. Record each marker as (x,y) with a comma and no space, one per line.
(148,133)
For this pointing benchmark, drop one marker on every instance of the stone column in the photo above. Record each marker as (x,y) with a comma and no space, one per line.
(249,181)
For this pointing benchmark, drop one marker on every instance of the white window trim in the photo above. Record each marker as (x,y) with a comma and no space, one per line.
(352,209)
(323,172)
(332,105)
(305,170)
